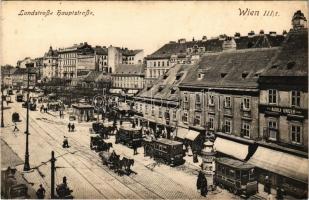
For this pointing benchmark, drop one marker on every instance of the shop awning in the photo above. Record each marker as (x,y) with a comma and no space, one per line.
(182,132)
(231,148)
(132,91)
(192,135)
(285,164)
(115,91)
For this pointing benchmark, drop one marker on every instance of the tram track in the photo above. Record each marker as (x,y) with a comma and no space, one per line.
(92,160)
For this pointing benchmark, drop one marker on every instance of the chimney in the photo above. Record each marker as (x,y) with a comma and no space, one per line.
(222,37)
(204,38)
(182,40)
(272,33)
(193,39)
(237,35)
(172,42)
(284,33)
(229,44)
(261,32)
(251,34)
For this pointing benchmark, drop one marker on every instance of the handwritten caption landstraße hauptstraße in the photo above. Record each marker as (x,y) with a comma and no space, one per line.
(253,12)
(59,13)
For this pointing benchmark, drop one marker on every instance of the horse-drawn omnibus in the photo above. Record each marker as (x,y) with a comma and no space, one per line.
(165,150)
(236,176)
(128,135)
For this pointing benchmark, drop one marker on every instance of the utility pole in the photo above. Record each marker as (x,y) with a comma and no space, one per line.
(27,165)
(52,170)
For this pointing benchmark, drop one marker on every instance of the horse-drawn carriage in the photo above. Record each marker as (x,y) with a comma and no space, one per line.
(164,150)
(32,106)
(15,117)
(19,97)
(113,161)
(236,176)
(99,128)
(129,136)
(98,144)
(63,190)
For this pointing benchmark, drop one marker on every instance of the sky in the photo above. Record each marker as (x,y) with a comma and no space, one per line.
(135,25)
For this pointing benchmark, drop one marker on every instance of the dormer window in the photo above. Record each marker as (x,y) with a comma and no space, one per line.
(223,75)
(173,90)
(178,76)
(290,65)
(200,76)
(165,76)
(244,75)
(160,88)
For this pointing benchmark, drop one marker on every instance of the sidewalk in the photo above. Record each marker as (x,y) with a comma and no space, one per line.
(10,158)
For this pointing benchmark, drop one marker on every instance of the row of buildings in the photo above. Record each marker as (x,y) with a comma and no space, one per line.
(254,100)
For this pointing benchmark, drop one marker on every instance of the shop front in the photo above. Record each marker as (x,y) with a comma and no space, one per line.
(283,169)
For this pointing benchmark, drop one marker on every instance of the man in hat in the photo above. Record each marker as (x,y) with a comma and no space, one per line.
(40,193)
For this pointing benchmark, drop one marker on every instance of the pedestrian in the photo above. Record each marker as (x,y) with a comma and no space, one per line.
(15,128)
(199,180)
(267,185)
(41,108)
(69,126)
(280,193)
(65,142)
(72,127)
(134,144)
(204,186)
(40,193)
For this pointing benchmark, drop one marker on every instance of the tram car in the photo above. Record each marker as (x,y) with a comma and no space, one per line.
(236,176)
(15,117)
(31,107)
(165,150)
(129,135)
(19,97)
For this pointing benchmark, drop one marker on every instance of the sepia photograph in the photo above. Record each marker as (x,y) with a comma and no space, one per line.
(154,100)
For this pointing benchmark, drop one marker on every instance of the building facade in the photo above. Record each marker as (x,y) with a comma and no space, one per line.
(283,118)
(50,64)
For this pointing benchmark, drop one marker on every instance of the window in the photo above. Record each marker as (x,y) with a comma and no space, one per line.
(296,98)
(158,63)
(246,129)
(272,96)
(185,117)
(296,134)
(211,101)
(197,120)
(152,110)
(228,126)
(168,63)
(272,129)
(197,102)
(186,101)
(227,102)
(211,123)
(154,63)
(174,115)
(160,112)
(146,109)
(162,63)
(246,104)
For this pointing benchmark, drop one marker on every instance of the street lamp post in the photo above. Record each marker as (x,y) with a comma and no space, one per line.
(2,99)
(27,165)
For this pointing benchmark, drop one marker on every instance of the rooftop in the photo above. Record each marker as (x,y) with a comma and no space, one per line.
(127,69)
(234,69)
(166,87)
(292,59)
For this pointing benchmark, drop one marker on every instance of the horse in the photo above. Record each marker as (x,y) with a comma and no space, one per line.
(127,163)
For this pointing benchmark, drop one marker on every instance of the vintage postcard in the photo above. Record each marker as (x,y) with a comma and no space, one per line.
(154,99)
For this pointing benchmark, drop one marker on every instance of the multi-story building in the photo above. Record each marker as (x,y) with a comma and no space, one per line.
(190,51)
(75,61)
(50,64)
(221,96)
(283,120)
(128,78)
(22,63)
(118,56)
(6,76)
(101,57)
(158,106)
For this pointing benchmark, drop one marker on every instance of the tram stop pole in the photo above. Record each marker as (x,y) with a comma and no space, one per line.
(52,168)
